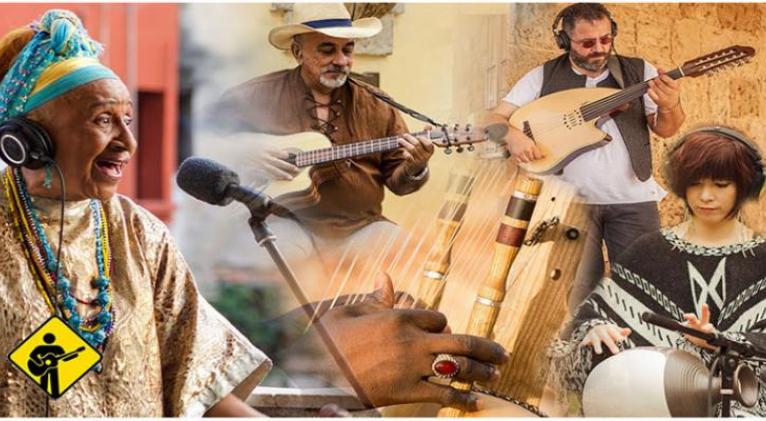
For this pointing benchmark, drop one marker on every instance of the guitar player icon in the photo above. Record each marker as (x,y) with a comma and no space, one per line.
(44,360)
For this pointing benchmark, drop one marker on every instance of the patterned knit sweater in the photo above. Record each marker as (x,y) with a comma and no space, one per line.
(662,273)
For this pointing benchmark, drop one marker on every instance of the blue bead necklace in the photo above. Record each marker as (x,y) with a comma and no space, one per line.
(94,329)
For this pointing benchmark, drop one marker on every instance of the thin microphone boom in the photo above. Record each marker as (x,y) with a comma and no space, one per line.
(715,339)
(670,324)
(216,184)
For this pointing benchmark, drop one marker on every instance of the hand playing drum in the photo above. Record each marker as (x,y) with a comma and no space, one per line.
(608,334)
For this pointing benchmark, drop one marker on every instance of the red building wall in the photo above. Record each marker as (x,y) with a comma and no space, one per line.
(141,45)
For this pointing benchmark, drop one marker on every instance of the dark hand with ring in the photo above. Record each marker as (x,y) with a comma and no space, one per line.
(392,351)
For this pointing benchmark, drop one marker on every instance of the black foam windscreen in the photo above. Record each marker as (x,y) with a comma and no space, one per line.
(206,180)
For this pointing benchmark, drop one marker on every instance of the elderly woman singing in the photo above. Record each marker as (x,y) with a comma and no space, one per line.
(73,248)
(707,272)
(117,279)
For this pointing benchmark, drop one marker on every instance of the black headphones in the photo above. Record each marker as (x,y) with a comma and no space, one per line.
(560,35)
(24,143)
(759,183)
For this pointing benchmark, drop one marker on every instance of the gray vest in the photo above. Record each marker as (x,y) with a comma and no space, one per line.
(558,76)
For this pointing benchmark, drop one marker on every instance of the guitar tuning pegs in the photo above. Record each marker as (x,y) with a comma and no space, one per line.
(447,150)
(471,148)
(468,128)
(459,149)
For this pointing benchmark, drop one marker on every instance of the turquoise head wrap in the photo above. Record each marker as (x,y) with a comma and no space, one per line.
(59,37)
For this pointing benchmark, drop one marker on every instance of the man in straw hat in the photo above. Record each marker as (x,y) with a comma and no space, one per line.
(318,95)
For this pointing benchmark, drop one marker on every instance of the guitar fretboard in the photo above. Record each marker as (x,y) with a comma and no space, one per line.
(603,106)
(351,150)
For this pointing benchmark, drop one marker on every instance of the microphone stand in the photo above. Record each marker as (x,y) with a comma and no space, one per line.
(260,209)
(730,354)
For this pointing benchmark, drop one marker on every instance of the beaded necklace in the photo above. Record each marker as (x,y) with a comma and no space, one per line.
(55,287)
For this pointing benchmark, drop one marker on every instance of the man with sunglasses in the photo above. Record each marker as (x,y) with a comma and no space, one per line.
(616,179)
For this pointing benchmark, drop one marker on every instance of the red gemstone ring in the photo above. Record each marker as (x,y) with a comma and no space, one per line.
(445,366)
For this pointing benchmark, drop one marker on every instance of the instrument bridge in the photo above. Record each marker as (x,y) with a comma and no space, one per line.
(573,119)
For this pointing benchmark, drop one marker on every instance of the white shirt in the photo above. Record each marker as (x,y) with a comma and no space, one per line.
(603,175)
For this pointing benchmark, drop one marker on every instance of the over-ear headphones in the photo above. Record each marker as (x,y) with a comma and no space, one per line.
(24,143)
(759,183)
(560,35)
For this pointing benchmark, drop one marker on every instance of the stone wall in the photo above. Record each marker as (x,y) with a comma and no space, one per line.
(668,35)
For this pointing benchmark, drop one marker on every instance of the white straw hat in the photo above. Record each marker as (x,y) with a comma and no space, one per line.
(331,19)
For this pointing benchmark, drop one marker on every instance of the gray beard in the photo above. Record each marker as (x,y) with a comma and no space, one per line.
(333,83)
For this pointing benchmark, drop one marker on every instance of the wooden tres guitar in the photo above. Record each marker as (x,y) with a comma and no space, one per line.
(565,124)
(312,148)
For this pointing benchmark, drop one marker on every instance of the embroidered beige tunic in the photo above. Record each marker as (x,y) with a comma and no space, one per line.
(171,353)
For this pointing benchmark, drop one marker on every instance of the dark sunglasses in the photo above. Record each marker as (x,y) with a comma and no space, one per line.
(591,42)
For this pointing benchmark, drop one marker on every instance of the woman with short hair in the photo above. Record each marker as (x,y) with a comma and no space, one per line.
(707,271)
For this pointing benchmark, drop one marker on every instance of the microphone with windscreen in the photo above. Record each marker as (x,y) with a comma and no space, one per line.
(214,183)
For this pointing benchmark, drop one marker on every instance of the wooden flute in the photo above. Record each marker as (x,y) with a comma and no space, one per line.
(510,238)
(448,224)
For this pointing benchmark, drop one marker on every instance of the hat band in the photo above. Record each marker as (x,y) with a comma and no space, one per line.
(328,23)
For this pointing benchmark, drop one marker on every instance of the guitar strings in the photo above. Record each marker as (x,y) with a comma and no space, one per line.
(494,175)
(482,234)
(405,286)
(334,153)
(470,175)
(379,263)
(347,269)
(485,171)
(465,190)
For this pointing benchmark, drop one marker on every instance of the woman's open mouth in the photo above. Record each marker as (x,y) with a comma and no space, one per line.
(111,168)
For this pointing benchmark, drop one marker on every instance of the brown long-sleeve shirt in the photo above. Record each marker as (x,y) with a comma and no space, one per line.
(350,191)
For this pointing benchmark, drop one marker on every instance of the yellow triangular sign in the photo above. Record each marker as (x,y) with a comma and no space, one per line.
(55,357)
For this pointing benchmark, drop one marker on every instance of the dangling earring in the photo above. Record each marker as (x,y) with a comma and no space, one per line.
(48,181)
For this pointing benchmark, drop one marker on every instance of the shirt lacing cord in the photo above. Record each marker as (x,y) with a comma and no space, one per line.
(334,112)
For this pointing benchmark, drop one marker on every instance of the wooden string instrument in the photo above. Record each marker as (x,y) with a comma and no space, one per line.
(564,124)
(448,224)
(305,150)
(508,242)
